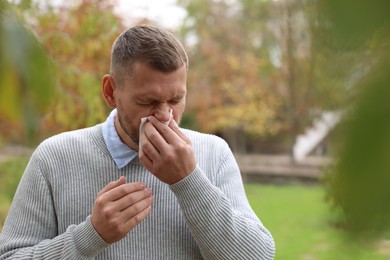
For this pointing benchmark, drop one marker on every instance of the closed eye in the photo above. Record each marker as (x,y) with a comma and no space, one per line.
(176,101)
(146,102)
(152,102)
(143,103)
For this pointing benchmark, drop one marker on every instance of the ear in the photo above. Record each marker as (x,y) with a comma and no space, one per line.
(108,88)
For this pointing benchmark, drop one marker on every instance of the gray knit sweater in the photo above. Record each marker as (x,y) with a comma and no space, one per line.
(204,216)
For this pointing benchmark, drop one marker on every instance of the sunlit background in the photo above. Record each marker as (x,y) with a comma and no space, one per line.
(298,88)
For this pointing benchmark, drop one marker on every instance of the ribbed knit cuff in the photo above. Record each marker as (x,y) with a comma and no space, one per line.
(88,242)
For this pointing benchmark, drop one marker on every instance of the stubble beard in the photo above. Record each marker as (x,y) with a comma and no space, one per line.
(130,129)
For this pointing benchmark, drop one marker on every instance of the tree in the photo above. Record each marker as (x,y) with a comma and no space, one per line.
(311,81)
(227,92)
(265,50)
(78,38)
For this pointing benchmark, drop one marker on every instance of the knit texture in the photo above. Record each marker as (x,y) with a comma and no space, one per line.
(204,216)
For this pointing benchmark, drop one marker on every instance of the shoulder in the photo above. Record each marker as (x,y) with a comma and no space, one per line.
(75,139)
(74,135)
(205,140)
(198,136)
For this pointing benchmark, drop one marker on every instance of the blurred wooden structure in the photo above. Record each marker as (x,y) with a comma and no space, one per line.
(281,169)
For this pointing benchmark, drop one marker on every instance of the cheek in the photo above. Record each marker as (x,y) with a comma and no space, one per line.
(133,111)
(128,117)
(178,111)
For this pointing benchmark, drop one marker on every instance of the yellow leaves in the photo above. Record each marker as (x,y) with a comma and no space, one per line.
(26,78)
(236,96)
(79,40)
(10,106)
(252,112)
(233,62)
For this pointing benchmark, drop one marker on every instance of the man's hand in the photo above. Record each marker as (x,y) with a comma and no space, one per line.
(166,152)
(119,207)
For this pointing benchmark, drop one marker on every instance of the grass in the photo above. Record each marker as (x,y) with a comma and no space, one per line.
(304,227)
(10,173)
(297,216)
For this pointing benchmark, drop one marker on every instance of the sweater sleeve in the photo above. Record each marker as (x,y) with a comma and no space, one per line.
(30,230)
(219,215)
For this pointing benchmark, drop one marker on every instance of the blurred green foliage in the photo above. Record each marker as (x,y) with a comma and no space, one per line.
(52,62)
(26,76)
(363,176)
(359,185)
(10,173)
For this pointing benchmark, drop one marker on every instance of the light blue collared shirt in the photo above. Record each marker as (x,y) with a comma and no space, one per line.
(120,152)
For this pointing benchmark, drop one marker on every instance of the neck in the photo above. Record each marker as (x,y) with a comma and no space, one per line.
(124,136)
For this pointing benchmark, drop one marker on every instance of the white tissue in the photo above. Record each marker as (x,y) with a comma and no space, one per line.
(145,119)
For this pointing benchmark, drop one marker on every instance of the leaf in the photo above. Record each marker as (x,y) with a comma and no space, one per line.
(26,80)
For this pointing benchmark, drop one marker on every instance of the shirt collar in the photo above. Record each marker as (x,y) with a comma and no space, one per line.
(120,152)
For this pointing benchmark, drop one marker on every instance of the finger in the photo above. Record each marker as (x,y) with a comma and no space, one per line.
(132,198)
(121,191)
(169,136)
(152,152)
(142,155)
(145,160)
(113,184)
(138,216)
(136,208)
(155,139)
(175,128)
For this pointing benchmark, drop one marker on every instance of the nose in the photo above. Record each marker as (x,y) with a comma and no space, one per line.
(164,113)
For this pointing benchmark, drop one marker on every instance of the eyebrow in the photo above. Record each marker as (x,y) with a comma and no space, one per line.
(152,99)
(144,99)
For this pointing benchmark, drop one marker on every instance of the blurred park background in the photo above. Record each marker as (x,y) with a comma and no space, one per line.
(300,89)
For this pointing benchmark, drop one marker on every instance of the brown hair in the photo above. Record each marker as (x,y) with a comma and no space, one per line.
(155,46)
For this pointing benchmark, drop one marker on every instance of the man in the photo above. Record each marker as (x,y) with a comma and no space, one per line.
(163,192)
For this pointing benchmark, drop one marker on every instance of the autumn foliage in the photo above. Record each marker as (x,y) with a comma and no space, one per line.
(78,39)
(256,68)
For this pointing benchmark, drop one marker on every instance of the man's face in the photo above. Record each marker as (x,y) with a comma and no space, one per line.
(148,92)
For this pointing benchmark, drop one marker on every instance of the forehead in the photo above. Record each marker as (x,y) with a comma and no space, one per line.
(146,81)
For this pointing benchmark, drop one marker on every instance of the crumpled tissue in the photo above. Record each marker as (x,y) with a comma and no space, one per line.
(145,119)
